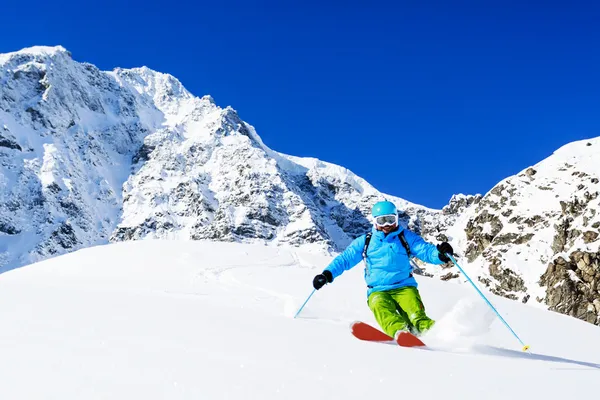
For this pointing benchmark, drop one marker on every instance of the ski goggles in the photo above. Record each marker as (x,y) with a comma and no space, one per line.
(386,220)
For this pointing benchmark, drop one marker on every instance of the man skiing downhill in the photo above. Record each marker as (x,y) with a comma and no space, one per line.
(392,291)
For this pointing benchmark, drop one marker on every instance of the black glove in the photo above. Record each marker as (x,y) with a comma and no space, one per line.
(322,279)
(444,248)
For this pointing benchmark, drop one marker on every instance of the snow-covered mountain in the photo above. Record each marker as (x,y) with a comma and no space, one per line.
(535,235)
(67,135)
(147,320)
(88,156)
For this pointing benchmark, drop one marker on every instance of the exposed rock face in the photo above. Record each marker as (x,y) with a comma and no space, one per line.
(572,283)
(572,286)
(536,234)
(460,203)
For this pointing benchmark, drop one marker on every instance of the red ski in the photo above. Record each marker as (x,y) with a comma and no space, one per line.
(365,331)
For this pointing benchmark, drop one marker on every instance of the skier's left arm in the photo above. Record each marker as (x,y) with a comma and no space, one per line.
(425,251)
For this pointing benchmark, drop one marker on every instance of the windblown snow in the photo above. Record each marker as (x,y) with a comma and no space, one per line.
(204,320)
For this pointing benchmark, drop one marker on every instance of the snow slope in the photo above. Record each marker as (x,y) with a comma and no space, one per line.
(204,320)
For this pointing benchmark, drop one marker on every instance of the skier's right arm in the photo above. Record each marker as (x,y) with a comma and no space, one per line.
(343,262)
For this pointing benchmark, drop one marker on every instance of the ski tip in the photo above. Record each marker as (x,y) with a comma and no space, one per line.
(364,331)
(407,339)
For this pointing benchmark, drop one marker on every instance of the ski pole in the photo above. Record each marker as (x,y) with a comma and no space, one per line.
(415,266)
(309,296)
(525,347)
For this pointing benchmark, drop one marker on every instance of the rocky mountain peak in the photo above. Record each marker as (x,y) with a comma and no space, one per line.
(39,54)
(88,155)
(459,203)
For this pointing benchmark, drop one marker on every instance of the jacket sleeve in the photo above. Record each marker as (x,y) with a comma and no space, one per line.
(421,249)
(348,258)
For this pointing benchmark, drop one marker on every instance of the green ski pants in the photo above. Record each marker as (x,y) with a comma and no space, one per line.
(400,309)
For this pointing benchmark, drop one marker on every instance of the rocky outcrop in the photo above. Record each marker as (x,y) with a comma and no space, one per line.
(481,232)
(572,281)
(515,237)
(572,286)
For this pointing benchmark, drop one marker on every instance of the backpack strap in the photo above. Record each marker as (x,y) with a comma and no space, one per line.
(414,266)
(367,241)
(404,243)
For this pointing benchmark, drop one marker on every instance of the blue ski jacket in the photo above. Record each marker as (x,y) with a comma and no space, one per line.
(387,265)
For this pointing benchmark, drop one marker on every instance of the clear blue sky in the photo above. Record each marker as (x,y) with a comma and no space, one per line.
(421,98)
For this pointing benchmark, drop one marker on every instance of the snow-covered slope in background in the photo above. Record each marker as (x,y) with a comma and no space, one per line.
(205,320)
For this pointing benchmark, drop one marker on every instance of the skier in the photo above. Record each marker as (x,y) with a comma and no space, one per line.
(392,290)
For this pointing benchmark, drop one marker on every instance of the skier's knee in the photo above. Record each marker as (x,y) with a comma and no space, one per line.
(381,301)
